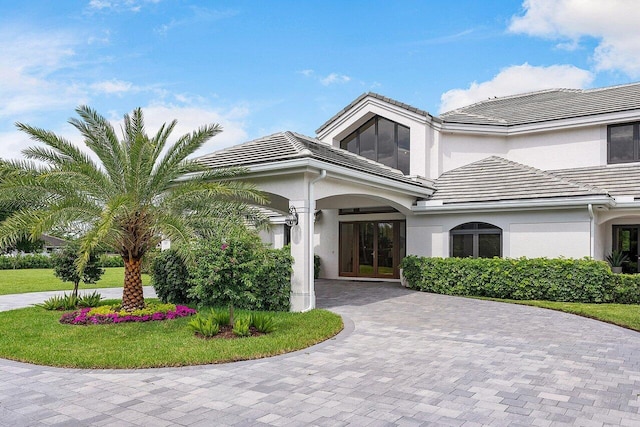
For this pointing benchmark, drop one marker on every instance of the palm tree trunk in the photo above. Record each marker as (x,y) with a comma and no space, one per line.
(132,296)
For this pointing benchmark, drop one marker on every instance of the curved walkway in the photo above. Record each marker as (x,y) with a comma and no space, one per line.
(405,358)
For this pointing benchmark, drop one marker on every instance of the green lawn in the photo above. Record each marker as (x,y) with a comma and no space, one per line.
(34,335)
(625,315)
(37,280)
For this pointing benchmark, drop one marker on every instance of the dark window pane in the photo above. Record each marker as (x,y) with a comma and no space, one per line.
(462,245)
(346,248)
(350,143)
(488,245)
(385,248)
(403,149)
(621,144)
(366,249)
(386,143)
(368,140)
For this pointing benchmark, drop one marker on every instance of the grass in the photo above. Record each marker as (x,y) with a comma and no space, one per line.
(34,335)
(38,280)
(625,315)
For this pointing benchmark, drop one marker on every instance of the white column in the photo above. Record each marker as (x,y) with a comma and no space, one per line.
(300,286)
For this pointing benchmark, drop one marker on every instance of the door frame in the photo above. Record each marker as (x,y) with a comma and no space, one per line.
(355,246)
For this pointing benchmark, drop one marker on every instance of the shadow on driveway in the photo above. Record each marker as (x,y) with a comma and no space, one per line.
(337,293)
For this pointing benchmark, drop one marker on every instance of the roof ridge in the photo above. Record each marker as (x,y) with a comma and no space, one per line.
(301,149)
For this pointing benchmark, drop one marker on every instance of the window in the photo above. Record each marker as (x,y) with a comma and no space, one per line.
(623,143)
(476,240)
(381,140)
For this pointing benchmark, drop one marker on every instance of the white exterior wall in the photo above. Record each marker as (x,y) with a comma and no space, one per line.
(531,233)
(559,149)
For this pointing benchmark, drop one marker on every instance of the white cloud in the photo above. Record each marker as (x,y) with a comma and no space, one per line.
(119,5)
(614,23)
(334,78)
(29,60)
(517,79)
(114,87)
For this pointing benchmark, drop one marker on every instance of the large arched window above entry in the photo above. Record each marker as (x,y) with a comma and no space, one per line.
(476,240)
(381,140)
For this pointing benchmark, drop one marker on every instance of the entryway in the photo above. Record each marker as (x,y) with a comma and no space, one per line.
(625,239)
(372,248)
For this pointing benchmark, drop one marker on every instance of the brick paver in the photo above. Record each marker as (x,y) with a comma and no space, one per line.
(405,358)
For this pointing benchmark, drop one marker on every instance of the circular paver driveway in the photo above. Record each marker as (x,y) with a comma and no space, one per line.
(405,358)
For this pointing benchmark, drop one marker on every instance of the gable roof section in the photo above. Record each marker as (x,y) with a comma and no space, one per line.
(617,180)
(547,105)
(283,146)
(375,96)
(497,179)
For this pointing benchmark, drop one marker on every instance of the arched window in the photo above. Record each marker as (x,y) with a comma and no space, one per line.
(381,140)
(476,239)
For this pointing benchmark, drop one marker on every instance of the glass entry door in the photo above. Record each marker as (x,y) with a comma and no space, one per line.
(372,248)
(625,239)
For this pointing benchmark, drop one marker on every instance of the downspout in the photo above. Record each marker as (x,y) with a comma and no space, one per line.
(592,232)
(312,209)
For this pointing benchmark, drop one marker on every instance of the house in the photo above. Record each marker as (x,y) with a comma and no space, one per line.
(554,173)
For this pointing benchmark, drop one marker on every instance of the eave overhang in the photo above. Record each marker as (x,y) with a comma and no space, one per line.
(424,208)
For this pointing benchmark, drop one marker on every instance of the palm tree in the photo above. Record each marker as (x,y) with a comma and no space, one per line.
(139,190)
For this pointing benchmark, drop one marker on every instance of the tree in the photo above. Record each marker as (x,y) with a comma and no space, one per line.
(65,267)
(139,190)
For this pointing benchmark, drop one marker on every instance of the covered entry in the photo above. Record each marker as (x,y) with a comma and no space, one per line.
(372,248)
(625,240)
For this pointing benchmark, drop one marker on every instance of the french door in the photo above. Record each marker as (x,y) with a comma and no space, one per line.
(372,248)
(625,239)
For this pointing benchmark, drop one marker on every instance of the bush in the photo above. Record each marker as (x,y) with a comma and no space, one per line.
(242,273)
(263,322)
(110,261)
(241,327)
(64,267)
(170,277)
(626,288)
(204,325)
(576,280)
(25,261)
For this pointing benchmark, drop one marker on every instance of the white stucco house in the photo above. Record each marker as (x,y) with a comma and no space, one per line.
(554,173)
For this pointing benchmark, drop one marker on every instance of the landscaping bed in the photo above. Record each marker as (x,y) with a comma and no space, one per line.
(34,335)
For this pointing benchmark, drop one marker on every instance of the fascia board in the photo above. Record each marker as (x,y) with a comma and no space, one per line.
(516,205)
(551,125)
(313,165)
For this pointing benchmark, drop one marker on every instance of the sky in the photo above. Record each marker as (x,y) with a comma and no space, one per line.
(259,67)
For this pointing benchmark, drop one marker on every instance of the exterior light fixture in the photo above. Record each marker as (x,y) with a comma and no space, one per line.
(292,218)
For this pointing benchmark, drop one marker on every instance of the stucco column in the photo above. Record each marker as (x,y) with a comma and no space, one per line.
(300,286)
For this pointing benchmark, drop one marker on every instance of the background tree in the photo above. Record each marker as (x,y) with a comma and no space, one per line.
(65,267)
(141,189)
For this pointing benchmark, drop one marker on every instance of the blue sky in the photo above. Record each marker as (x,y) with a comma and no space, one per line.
(258,67)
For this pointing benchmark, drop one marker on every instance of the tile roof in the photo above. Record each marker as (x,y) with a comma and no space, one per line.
(617,180)
(546,105)
(497,179)
(376,96)
(290,145)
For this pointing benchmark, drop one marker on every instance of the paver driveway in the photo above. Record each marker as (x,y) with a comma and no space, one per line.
(405,358)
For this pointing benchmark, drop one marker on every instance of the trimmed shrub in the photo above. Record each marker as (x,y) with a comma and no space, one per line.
(64,267)
(577,280)
(25,261)
(110,260)
(170,277)
(242,273)
(626,288)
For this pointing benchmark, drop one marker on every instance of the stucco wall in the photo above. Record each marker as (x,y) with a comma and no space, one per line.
(530,233)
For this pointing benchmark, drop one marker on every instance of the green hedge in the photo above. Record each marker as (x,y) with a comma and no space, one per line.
(626,288)
(20,261)
(576,280)
(110,260)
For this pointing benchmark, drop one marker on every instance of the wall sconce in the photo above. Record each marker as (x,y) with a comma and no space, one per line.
(292,218)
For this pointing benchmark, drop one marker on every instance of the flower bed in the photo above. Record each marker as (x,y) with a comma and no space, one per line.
(107,314)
